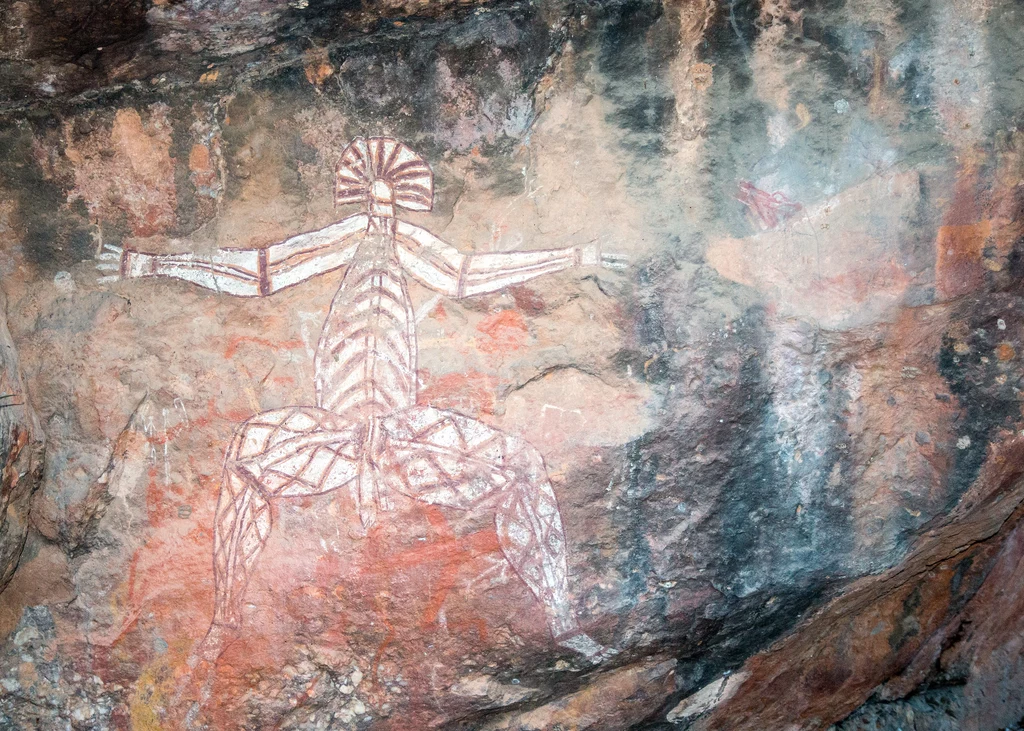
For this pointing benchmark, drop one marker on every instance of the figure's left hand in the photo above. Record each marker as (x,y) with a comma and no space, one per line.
(614,261)
(593,256)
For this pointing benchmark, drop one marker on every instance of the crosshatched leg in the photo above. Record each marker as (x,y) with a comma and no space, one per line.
(289,452)
(427,454)
(444,458)
(532,538)
(242,527)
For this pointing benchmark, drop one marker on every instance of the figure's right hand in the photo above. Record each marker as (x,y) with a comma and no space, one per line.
(109,260)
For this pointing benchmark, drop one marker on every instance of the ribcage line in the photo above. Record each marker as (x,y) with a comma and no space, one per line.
(366,359)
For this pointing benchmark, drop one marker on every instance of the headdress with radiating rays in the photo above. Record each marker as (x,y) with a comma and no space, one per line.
(383,172)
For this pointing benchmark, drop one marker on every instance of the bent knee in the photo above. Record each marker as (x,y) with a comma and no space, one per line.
(247,441)
(525,462)
(259,433)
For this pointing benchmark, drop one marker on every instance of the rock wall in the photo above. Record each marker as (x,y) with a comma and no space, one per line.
(21,448)
(739,448)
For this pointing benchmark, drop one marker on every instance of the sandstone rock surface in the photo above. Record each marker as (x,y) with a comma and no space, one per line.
(21,450)
(774,391)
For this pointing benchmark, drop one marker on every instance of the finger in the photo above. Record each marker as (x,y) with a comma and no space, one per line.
(615,257)
(108,279)
(619,265)
(108,266)
(111,247)
(109,257)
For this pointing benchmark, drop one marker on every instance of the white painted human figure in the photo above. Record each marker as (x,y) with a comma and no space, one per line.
(367,433)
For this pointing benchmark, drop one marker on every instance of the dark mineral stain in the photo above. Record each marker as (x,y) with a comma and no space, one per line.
(648,114)
(503,176)
(633,57)
(977,364)
(939,708)
(642,468)
(650,316)
(74,32)
(753,481)
(419,86)
(907,625)
(736,137)
(781,520)
(55,235)
(1002,39)
(322,19)
(970,574)
(624,52)
(187,218)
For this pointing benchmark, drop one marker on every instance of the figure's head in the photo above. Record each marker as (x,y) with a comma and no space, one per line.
(383,173)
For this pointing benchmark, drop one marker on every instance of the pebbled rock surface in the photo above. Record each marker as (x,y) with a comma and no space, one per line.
(785,440)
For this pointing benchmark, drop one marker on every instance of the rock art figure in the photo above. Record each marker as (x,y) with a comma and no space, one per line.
(367,434)
(768,209)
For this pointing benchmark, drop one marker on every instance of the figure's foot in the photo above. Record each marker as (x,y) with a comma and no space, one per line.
(584,644)
(212,645)
(195,682)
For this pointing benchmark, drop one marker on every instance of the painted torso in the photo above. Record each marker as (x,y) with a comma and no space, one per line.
(365,363)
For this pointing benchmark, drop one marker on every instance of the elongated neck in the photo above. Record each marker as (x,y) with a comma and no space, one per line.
(381,219)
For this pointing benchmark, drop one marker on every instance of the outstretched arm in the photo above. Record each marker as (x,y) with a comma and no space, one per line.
(443,268)
(247,272)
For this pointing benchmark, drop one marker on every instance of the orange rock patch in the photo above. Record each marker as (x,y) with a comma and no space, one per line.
(503,331)
(470,393)
(128,171)
(958,258)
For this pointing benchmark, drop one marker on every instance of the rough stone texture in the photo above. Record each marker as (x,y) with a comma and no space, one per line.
(785,441)
(21,451)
